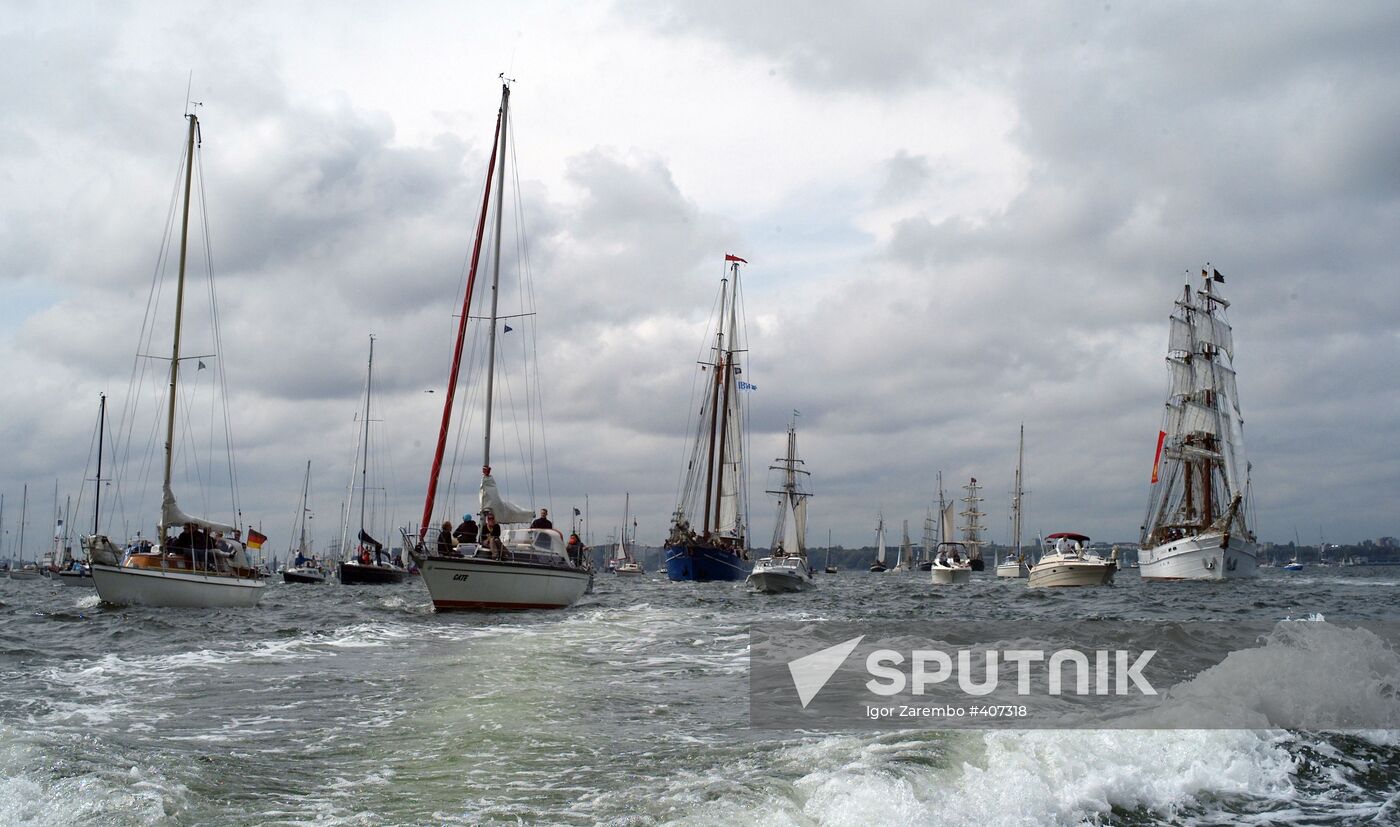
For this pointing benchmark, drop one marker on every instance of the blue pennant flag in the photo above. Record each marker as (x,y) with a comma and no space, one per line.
(509,328)
(745,386)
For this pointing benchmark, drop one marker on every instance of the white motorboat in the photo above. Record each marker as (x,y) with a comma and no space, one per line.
(1198,516)
(1069,563)
(512,567)
(781,573)
(950,565)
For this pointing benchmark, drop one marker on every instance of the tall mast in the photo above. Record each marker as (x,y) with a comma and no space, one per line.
(1016,497)
(23,513)
(101,431)
(941,506)
(179,315)
(495,281)
(305,491)
(461,334)
(728,377)
(714,406)
(364,447)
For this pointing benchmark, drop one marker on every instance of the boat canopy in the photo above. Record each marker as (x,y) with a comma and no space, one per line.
(1068,535)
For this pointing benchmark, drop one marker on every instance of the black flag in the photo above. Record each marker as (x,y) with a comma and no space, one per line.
(1215,274)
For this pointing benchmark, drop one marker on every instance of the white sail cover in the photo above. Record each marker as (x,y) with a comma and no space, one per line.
(172,516)
(505,512)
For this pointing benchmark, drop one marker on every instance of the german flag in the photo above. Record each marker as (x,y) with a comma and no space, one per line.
(255,538)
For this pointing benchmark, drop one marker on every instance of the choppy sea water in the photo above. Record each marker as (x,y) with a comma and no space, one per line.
(333,705)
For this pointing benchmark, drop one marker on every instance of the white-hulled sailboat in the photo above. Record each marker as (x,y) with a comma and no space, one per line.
(365,562)
(20,570)
(788,569)
(951,564)
(521,567)
(1197,525)
(1014,563)
(879,564)
(623,561)
(904,559)
(206,565)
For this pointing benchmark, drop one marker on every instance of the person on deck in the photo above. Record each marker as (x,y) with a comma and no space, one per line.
(446,544)
(491,534)
(543,520)
(575,550)
(467,531)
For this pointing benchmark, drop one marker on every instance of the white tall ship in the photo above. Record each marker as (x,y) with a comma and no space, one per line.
(788,569)
(206,564)
(522,567)
(1198,514)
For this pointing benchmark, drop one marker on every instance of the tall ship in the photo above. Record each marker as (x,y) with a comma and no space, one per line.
(1198,524)
(788,569)
(708,537)
(972,529)
(506,558)
(194,562)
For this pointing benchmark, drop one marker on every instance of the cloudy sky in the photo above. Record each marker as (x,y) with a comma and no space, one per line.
(957,219)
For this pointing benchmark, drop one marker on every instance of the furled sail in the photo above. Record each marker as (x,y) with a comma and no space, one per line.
(505,512)
(172,516)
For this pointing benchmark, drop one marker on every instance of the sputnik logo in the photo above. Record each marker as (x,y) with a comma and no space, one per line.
(811,672)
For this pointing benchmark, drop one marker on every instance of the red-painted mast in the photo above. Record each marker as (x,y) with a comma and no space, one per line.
(461,331)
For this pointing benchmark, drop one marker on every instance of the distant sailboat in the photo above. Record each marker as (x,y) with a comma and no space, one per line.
(879,564)
(951,564)
(972,530)
(1014,564)
(709,538)
(905,559)
(623,560)
(787,569)
(21,570)
(304,567)
(1197,525)
(928,543)
(830,569)
(366,564)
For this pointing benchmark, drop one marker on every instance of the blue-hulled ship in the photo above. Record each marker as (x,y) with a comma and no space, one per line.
(708,539)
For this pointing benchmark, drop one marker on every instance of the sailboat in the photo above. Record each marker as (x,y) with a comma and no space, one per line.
(512,567)
(879,564)
(708,539)
(951,563)
(928,543)
(78,572)
(1197,525)
(623,561)
(904,560)
(830,569)
(366,564)
(1014,564)
(304,567)
(788,569)
(972,530)
(21,570)
(206,565)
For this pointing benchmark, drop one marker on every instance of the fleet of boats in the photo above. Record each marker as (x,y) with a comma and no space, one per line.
(1199,523)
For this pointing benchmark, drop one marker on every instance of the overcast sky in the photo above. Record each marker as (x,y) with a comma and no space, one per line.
(957,219)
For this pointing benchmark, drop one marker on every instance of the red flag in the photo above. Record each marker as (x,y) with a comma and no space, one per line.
(730,257)
(1157,460)
(255,538)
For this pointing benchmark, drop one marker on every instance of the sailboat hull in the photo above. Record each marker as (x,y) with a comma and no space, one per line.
(1211,556)
(132,586)
(30,574)
(69,577)
(704,564)
(354,574)
(303,575)
(479,584)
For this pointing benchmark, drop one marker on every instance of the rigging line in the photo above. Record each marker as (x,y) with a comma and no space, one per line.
(686,477)
(217,320)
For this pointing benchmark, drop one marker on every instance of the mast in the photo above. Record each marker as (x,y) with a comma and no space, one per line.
(23,512)
(461,331)
(714,407)
(364,447)
(728,375)
(1016,495)
(101,431)
(495,283)
(179,315)
(828,547)
(941,505)
(305,491)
